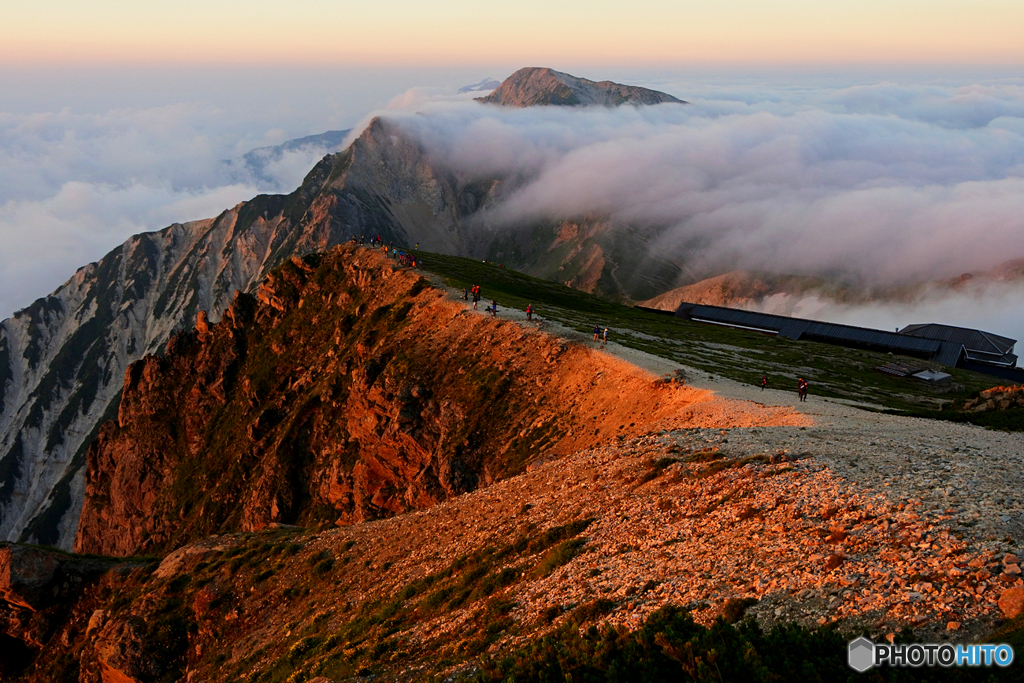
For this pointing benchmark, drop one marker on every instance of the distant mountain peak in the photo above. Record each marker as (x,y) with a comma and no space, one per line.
(537,86)
(482,86)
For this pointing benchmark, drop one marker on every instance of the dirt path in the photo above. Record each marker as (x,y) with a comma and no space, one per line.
(973,475)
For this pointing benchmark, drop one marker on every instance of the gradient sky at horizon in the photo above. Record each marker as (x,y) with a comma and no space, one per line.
(116,117)
(447,32)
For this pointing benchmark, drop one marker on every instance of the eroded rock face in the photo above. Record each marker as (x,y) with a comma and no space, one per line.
(39,591)
(119,649)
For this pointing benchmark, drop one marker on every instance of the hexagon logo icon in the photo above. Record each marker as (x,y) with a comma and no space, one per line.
(862,655)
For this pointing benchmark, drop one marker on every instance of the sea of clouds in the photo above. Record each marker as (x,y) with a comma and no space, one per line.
(888,184)
(879,185)
(91,156)
(73,186)
(876,181)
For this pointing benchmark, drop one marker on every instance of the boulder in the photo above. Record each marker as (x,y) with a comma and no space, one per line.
(35,578)
(834,561)
(1011,602)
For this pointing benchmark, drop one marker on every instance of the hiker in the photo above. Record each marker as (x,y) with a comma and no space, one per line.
(529,311)
(465,294)
(764,381)
(597,333)
(476,295)
(801,389)
(606,336)
(493,310)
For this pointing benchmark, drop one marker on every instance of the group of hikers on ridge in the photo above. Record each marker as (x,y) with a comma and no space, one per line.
(403,257)
(802,385)
(409,259)
(475,291)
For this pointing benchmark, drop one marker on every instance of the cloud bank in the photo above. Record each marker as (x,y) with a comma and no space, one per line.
(91,155)
(73,186)
(876,185)
(882,185)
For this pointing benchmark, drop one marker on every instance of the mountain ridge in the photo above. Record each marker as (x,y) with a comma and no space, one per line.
(346,389)
(63,358)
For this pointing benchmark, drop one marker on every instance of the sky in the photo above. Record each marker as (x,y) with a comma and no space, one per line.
(450,32)
(881,139)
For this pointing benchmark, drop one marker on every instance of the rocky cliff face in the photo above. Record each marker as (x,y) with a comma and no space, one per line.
(345,390)
(63,358)
(535,86)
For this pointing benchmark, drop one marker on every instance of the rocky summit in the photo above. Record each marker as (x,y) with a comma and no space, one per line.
(537,86)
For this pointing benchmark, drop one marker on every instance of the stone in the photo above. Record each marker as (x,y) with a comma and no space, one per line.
(35,578)
(96,620)
(1010,558)
(953,626)
(834,561)
(202,323)
(837,535)
(120,652)
(1011,602)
